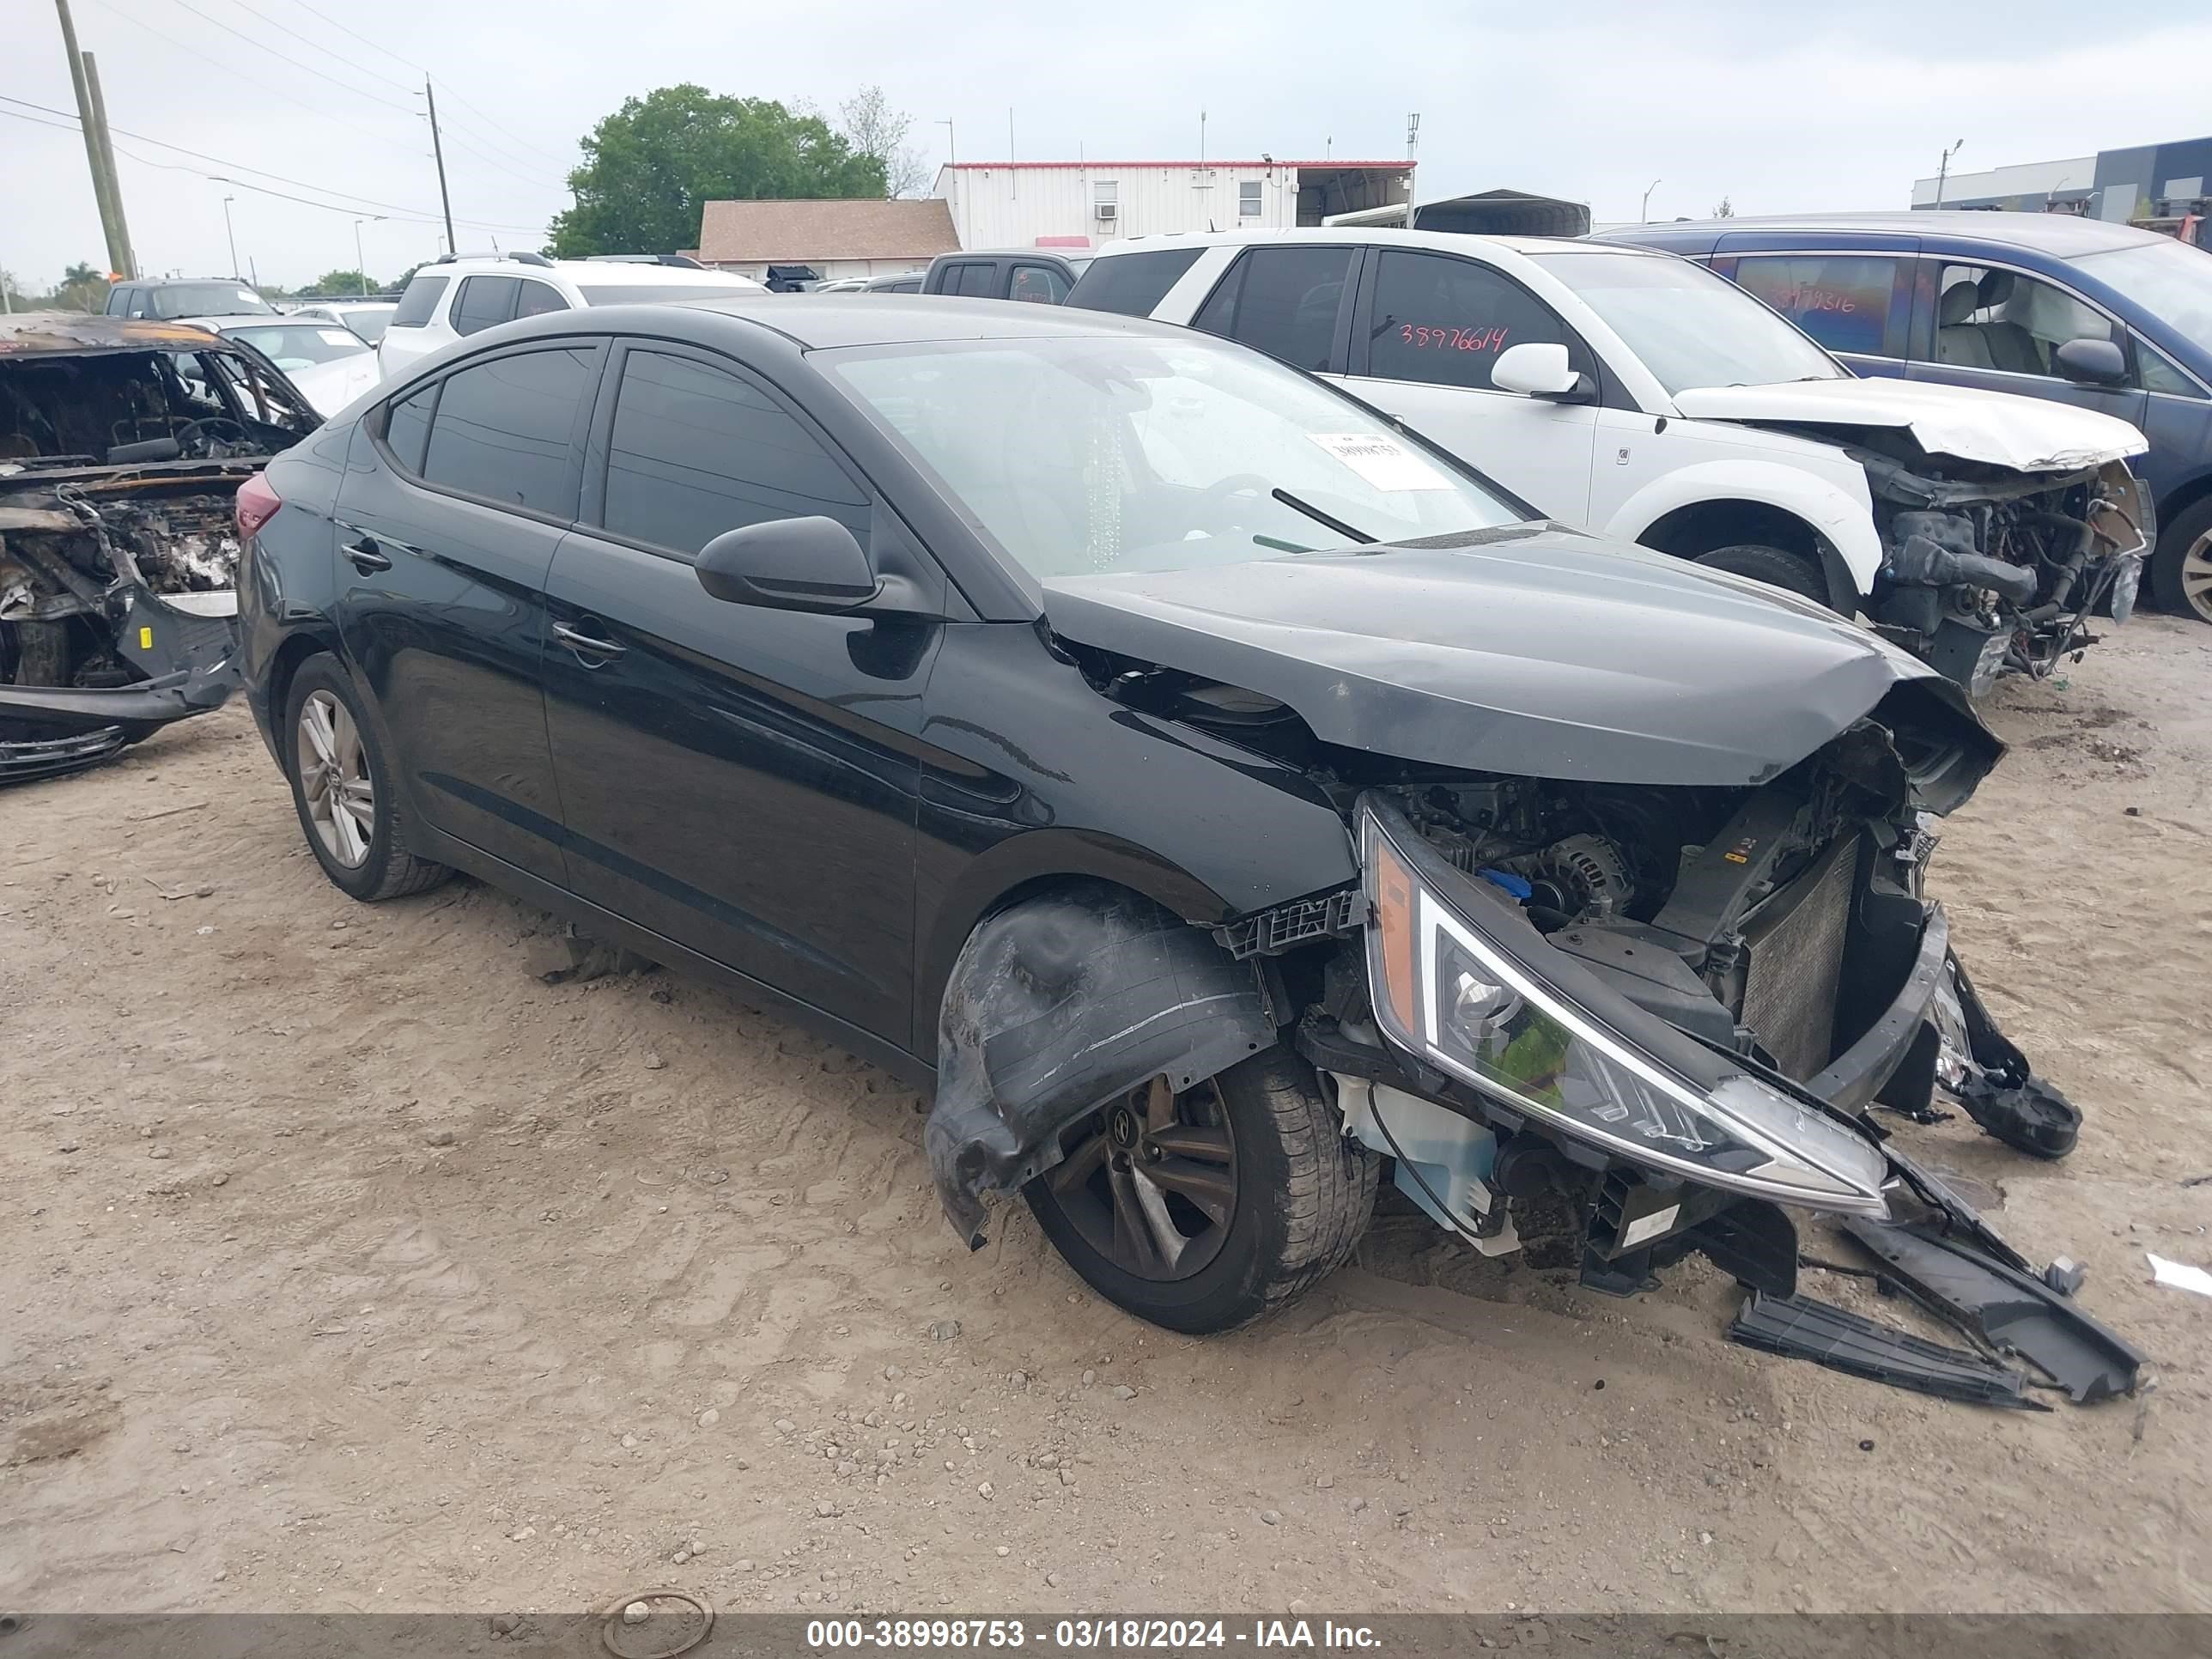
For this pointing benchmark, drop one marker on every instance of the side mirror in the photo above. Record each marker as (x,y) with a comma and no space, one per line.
(1538,370)
(2095,362)
(789,564)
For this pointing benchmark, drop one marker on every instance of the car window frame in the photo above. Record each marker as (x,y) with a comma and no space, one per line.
(1341,333)
(599,445)
(1581,354)
(1929,292)
(522,283)
(461,288)
(1057,272)
(578,436)
(1897,331)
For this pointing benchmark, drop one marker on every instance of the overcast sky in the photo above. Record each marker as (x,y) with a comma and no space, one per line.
(1778,107)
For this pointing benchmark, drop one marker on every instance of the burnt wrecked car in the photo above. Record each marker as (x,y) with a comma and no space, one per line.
(123,447)
(1213,797)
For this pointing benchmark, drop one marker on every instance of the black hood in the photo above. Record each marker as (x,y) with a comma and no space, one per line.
(1541,653)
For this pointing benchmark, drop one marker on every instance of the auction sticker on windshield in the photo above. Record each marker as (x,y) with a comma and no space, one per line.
(1382,463)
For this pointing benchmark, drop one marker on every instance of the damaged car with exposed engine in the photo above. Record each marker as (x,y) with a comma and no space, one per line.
(123,444)
(1639,395)
(1216,801)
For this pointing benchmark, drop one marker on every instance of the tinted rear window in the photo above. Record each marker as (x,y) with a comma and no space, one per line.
(208,299)
(503,427)
(407,425)
(419,301)
(1133,284)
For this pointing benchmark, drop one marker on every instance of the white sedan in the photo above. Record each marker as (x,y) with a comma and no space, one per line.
(328,362)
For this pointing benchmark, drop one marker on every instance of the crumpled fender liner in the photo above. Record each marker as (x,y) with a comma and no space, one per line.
(1057,1005)
(2000,1091)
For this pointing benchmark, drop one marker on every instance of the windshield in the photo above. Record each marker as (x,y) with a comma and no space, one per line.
(1690,327)
(1082,454)
(208,299)
(296,345)
(2169,279)
(640,293)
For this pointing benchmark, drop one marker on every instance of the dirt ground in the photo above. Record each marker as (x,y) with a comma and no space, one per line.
(344,1265)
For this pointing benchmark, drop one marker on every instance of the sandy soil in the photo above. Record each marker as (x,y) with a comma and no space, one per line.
(345,1265)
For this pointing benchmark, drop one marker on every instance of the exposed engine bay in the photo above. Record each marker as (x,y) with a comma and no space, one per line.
(1989,571)
(119,471)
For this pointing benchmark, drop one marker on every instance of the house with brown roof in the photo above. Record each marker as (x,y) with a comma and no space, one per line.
(832,238)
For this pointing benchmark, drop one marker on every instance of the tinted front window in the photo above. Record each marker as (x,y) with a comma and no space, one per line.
(420,302)
(1446,321)
(698,451)
(503,429)
(481,302)
(118,301)
(1101,452)
(1841,300)
(208,299)
(1999,320)
(1689,327)
(1039,284)
(977,282)
(1284,301)
(407,425)
(1133,284)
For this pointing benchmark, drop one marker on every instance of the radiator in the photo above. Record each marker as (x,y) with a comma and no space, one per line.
(1794,945)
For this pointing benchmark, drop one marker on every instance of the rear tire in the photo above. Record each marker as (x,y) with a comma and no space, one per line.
(1303,1194)
(1775,566)
(2181,568)
(345,788)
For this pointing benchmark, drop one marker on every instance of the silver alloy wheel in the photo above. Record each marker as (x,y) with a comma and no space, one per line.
(334,779)
(2196,576)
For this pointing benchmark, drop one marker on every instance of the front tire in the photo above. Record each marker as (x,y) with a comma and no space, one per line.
(344,788)
(1202,1211)
(1775,566)
(2181,568)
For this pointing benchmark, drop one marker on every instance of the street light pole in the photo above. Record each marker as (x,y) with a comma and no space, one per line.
(1643,213)
(1943,170)
(232,236)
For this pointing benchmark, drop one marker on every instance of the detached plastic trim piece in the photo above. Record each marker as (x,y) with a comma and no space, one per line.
(1799,1327)
(2014,1312)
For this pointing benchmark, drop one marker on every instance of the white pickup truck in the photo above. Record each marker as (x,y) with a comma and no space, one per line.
(1637,394)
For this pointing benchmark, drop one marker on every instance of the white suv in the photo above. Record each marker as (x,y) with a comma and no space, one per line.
(1639,395)
(454,297)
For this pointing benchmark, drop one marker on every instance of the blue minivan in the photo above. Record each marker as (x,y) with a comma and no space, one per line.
(2044,304)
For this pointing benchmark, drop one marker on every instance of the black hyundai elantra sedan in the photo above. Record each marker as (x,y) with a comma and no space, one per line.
(1210,790)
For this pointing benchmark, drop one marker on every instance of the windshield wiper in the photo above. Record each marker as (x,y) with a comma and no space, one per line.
(1327,519)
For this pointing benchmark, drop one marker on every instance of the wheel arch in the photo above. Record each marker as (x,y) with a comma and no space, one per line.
(1700,508)
(291,655)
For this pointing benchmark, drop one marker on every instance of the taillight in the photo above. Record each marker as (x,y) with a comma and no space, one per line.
(257,505)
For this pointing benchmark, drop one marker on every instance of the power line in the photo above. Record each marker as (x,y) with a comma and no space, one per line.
(455,136)
(347,202)
(284,57)
(285,28)
(512,144)
(231,71)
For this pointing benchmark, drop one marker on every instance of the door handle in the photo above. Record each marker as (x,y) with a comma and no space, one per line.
(367,556)
(587,646)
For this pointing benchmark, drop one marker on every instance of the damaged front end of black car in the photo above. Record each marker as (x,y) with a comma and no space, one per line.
(1649,945)
(123,447)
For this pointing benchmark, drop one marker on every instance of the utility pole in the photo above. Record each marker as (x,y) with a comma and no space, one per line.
(130,266)
(360,259)
(438,149)
(231,236)
(118,251)
(1643,212)
(1943,170)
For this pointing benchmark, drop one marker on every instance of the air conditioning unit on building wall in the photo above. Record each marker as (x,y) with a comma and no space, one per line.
(1106,211)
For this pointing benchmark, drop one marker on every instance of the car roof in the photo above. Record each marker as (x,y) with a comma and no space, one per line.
(75,333)
(591,273)
(1440,241)
(2063,234)
(825,321)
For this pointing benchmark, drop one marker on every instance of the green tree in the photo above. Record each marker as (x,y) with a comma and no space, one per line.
(82,288)
(342,284)
(651,167)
